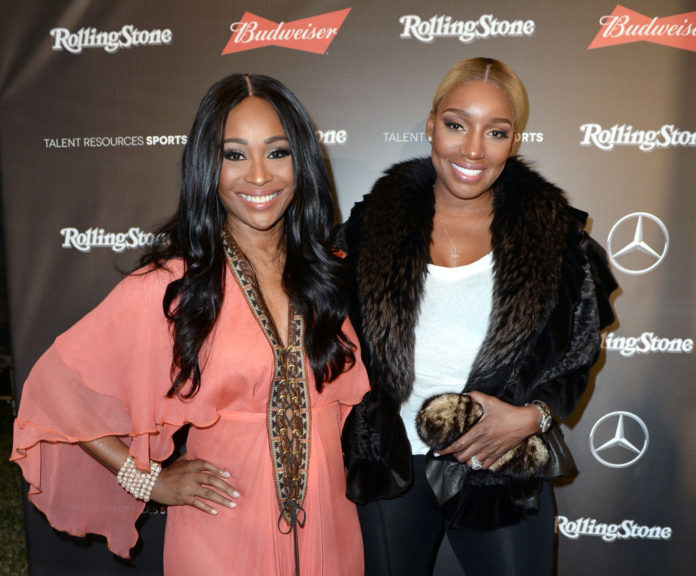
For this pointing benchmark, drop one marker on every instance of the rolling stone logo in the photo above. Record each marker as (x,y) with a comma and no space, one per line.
(668,136)
(99,238)
(466,31)
(127,37)
(646,343)
(332,137)
(313,34)
(625,530)
(624,26)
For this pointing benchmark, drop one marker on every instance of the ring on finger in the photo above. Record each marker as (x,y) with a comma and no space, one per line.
(476,464)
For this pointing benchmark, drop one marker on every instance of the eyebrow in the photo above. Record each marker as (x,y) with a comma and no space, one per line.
(271,140)
(468,115)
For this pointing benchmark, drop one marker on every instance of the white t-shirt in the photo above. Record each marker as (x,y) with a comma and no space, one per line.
(452,324)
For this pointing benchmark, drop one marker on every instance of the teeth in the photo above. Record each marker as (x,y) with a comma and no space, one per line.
(466,171)
(259,199)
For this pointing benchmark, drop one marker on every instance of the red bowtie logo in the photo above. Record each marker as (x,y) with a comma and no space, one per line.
(313,34)
(624,26)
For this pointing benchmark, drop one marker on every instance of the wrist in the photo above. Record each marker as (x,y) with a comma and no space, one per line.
(545,419)
(138,484)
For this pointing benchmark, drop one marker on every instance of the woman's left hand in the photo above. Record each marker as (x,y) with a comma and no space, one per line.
(501,428)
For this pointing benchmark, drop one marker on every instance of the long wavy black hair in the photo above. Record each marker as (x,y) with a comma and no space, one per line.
(313,275)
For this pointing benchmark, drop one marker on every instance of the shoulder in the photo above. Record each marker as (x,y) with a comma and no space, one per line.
(398,198)
(522,187)
(404,180)
(400,181)
(150,274)
(132,311)
(144,286)
(529,209)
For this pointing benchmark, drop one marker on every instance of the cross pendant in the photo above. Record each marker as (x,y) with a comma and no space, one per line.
(454,257)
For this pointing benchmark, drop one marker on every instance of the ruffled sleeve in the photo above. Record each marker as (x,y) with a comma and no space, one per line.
(107,375)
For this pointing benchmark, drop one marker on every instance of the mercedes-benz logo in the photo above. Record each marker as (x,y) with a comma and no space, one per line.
(637,243)
(619,439)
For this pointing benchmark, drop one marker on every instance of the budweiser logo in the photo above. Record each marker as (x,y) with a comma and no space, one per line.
(313,34)
(624,26)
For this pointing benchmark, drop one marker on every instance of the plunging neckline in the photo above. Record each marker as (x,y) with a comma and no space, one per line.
(288,412)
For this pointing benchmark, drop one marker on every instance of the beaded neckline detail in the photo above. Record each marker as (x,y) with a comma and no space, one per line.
(288,412)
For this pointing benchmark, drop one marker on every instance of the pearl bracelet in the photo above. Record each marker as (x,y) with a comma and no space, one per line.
(138,483)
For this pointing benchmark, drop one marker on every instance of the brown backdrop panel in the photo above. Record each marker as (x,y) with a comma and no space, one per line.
(90,145)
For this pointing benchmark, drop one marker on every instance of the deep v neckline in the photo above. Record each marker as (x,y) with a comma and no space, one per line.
(288,412)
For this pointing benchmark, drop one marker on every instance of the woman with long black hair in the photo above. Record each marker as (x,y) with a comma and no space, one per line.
(235,326)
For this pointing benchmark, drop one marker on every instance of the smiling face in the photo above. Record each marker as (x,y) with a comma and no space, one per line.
(472,134)
(256,176)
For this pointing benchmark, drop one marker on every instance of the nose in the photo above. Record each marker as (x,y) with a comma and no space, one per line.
(258,173)
(473,147)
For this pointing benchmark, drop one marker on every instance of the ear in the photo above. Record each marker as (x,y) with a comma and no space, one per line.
(516,142)
(429,125)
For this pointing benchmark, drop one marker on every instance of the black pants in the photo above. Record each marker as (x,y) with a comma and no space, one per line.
(402,537)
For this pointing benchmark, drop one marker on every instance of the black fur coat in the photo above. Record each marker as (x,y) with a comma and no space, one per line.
(550,298)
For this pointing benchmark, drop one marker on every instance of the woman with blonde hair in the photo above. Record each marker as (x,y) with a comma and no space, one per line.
(478,300)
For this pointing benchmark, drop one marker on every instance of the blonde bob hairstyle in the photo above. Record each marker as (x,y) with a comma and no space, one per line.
(487,70)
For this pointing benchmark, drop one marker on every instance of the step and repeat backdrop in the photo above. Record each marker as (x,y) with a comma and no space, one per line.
(97,98)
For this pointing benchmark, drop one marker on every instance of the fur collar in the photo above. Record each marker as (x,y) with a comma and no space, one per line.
(387,239)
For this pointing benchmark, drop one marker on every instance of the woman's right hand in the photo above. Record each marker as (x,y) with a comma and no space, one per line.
(501,428)
(196,483)
(185,482)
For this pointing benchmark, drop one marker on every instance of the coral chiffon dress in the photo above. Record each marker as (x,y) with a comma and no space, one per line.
(109,375)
